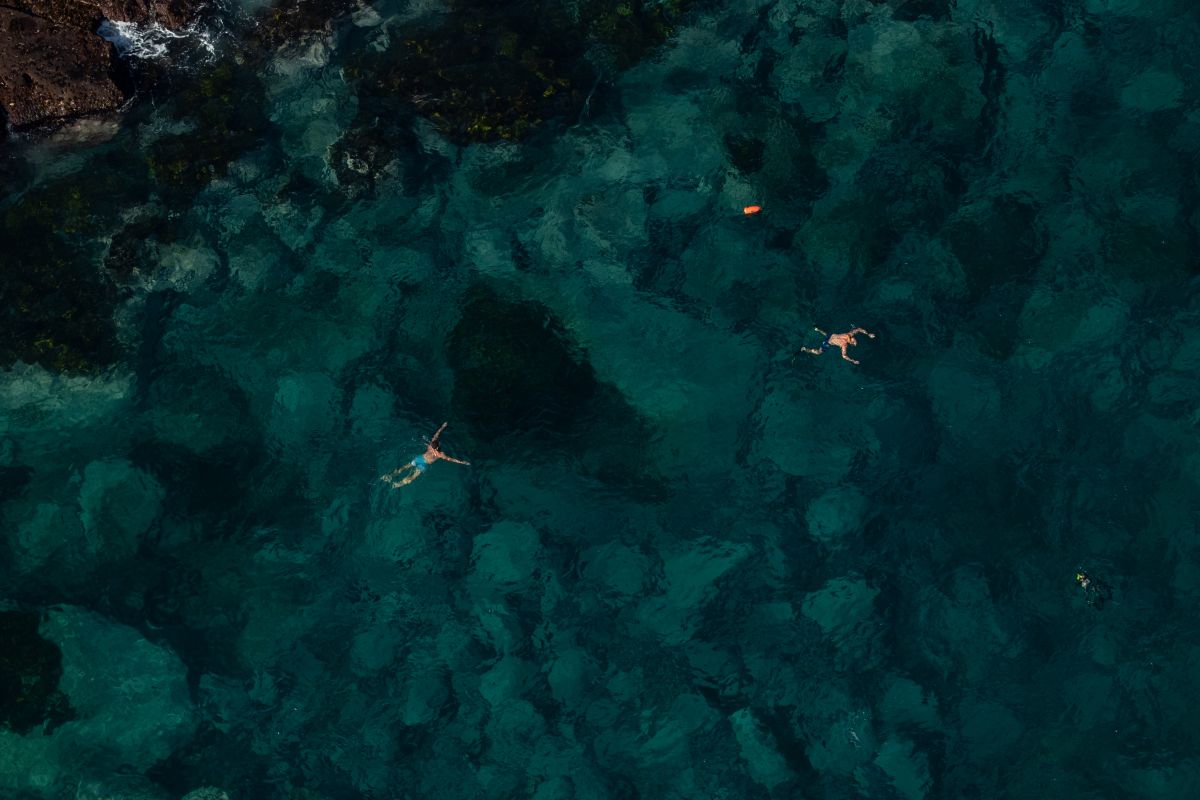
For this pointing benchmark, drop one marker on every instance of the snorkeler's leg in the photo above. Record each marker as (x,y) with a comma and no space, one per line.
(394,480)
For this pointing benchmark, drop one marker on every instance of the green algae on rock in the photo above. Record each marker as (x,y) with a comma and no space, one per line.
(58,303)
(30,669)
(490,73)
(287,21)
(225,104)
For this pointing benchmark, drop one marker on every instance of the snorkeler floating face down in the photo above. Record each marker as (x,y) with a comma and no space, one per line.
(415,468)
(842,341)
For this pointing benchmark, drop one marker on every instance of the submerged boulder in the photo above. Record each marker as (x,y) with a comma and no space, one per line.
(486,72)
(518,371)
(129,706)
(30,671)
(58,305)
(514,368)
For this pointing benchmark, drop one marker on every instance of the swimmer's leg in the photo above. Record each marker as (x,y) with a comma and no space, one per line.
(394,480)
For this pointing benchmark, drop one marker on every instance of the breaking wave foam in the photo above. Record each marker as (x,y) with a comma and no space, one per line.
(154,41)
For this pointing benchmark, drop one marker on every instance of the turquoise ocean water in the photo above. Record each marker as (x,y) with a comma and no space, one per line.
(687,560)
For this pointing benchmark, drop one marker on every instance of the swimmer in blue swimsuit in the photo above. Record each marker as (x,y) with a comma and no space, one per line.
(415,468)
(841,341)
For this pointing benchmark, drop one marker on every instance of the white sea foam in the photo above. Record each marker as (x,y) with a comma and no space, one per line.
(154,41)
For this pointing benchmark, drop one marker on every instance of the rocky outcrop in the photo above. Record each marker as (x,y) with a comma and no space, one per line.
(53,64)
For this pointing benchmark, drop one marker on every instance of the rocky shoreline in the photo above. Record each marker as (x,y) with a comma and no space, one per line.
(55,67)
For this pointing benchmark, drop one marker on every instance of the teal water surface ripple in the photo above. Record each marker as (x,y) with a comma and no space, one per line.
(687,559)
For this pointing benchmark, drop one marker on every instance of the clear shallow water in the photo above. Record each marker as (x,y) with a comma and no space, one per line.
(682,563)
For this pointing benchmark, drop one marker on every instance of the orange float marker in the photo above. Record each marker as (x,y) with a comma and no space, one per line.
(751,210)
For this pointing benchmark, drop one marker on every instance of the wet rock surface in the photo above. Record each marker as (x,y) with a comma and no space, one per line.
(53,64)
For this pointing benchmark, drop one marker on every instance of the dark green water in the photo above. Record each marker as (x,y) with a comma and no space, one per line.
(686,561)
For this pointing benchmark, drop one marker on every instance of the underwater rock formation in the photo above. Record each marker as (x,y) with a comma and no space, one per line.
(514,369)
(486,72)
(517,371)
(494,72)
(287,21)
(55,67)
(129,703)
(30,670)
(58,306)
(225,103)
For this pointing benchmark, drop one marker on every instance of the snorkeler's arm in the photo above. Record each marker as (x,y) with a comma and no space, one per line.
(455,460)
(434,441)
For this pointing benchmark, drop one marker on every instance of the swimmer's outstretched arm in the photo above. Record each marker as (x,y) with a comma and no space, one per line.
(846,356)
(434,441)
(455,460)
(862,330)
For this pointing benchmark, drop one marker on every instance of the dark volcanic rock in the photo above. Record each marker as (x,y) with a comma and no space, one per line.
(53,65)
(87,15)
(51,72)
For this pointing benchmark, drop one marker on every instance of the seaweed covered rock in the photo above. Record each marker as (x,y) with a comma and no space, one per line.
(287,21)
(488,72)
(30,670)
(133,250)
(514,368)
(57,304)
(226,105)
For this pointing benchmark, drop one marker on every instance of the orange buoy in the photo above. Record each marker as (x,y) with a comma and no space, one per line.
(751,210)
